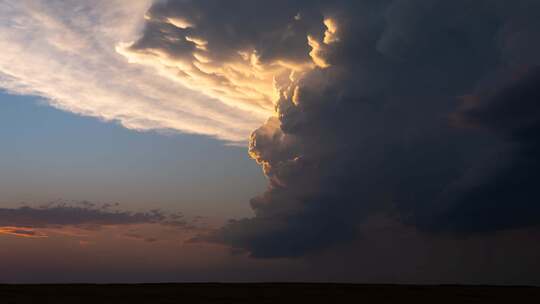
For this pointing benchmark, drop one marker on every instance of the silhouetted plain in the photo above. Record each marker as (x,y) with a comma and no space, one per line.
(264,293)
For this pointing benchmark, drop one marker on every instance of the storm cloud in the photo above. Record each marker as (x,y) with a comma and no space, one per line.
(423,112)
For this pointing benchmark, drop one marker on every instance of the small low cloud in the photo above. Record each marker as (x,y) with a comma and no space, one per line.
(139,237)
(54,216)
(36,222)
(22,232)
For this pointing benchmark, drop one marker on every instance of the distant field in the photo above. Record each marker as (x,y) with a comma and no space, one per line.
(263,293)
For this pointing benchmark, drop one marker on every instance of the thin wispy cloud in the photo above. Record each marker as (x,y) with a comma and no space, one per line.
(66,52)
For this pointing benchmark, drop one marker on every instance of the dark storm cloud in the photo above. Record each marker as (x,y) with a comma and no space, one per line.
(509,198)
(408,113)
(512,111)
(83,215)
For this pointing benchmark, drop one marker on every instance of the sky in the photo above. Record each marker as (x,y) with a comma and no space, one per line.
(52,155)
(366,141)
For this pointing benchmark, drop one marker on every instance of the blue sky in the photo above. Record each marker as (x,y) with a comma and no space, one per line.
(49,155)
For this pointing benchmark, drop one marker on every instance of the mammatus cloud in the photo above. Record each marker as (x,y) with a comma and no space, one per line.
(373,100)
(238,66)
(66,53)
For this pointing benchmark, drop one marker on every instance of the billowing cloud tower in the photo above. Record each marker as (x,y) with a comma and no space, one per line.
(422,112)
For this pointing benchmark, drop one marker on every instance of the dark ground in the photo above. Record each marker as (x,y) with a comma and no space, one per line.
(264,293)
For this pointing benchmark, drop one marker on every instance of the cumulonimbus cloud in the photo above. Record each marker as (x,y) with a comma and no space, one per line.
(369,127)
(409,109)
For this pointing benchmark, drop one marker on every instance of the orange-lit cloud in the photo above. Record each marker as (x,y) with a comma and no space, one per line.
(22,232)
